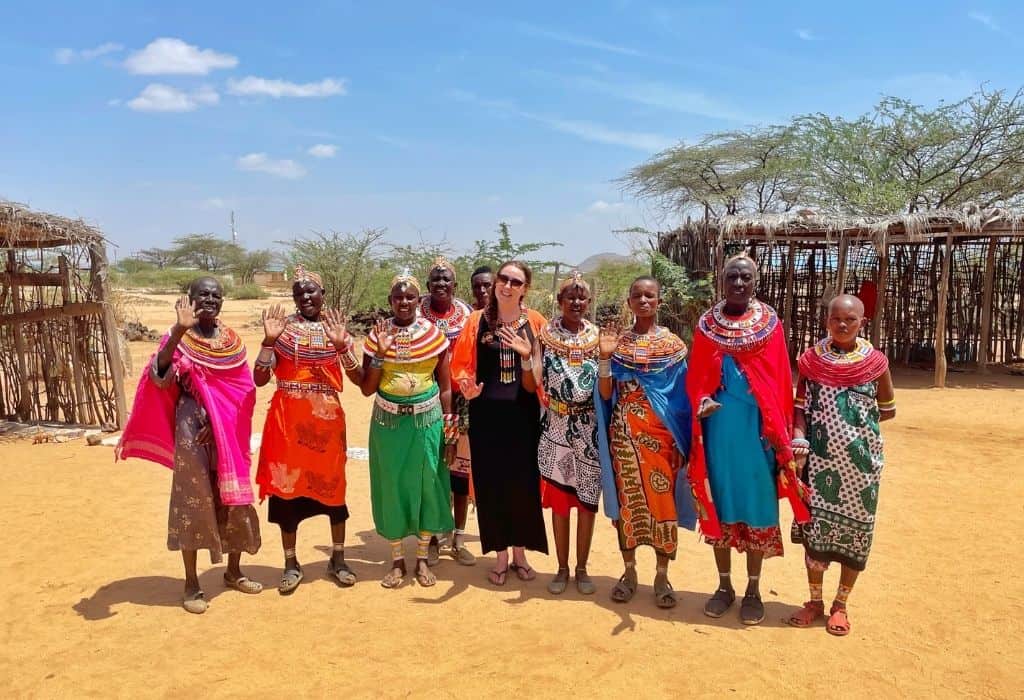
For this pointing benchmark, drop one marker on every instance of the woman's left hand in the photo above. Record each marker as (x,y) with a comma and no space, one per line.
(334,324)
(515,341)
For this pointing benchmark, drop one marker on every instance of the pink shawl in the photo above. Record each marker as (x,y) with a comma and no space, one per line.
(226,393)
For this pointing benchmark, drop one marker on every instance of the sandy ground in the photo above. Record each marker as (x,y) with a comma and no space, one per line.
(91,603)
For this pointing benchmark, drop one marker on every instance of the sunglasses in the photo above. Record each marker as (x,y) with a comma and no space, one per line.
(510,281)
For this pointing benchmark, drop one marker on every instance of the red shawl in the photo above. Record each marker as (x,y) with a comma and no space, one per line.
(767,370)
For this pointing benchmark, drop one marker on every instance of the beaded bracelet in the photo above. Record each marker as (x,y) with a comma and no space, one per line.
(451,428)
(604,368)
(376,362)
(799,442)
(265,358)
(887,405)
(799,402)
(348,360)
(527,364)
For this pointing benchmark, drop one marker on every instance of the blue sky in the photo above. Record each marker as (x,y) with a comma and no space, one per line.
(157,121)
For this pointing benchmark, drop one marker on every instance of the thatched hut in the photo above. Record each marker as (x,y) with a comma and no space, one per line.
(60,356)
(940,286)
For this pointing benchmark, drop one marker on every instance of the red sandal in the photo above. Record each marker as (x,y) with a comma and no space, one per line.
(809,614)
(838,621)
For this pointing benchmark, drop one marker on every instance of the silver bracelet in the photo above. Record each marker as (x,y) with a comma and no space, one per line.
(604,368)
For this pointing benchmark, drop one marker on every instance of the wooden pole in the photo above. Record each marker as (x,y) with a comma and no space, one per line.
(942,311)
(77,363)
(787,307)
(24,410)
(883,282)
(111,336)
(844,246)
(554,290)
(986,307)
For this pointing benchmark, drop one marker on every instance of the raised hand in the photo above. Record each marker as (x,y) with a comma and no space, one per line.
(609,340)
(470,390)
(334,324)
(273,324)
(515,341)
(186,312)
(385,336)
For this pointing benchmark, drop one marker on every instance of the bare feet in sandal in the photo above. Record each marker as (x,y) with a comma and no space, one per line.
(242,583)
(811,612)
(339,569)
(195,602)
(290,580)
(838,621)
(560,582)
(497,576)
(625,589)
(424,576)
(664,595)
(394,577)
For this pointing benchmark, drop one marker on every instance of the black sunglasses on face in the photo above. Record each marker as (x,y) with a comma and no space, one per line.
(510,281)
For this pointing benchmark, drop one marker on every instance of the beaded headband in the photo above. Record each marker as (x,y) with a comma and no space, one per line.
(302,275)
(575,279)
(407,278)
(441,263)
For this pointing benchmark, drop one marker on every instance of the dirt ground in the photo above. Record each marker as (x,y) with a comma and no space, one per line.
(91,605)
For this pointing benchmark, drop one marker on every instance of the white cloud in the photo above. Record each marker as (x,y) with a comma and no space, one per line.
(603,207)
(589,131)
(807,35)
(985,19)
(157,97)
(65,56)
(170,56)
(263,87)
(323,150)
(260,163)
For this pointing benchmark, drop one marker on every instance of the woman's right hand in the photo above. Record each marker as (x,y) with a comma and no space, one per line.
(274,323)
(469,390)
(186,312)
(385,336)
(707,406)
(609,340)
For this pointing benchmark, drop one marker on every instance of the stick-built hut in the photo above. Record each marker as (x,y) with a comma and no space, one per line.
(938,286)
(60,356)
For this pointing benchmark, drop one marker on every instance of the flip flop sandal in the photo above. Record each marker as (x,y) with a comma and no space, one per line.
(427,578)
(289,581)
(393,580)
(525,573)
(751,610)
(244,584)
(462,555)
(497,577)
(559,583)
(806,616)
(838,622)
(624,590)
(195,603)
(664,595)
(583,583)
(342,574)
(720,602)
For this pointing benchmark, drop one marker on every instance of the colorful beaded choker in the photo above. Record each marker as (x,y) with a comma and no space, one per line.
(306,342)
(225,351)
(831,366)
(418,341)
(450,324)
(739,334)
(649,352)
(577,347)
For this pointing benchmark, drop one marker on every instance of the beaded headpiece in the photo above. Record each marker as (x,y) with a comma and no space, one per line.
(441,263)
(405,277)
(575,279)
(303,275)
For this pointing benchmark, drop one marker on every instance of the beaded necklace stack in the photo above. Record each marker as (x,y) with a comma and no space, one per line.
(649,352)
(576,347)
(745,333)
(305,342)
(418,341)
(225,351)
(450,324)
(507,357)
(826,364)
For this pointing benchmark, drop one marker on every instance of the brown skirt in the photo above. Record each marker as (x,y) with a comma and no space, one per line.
(197,518)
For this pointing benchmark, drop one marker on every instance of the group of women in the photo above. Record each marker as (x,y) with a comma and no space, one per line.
(524,414)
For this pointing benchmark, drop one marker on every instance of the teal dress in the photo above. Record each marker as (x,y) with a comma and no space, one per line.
(741,468)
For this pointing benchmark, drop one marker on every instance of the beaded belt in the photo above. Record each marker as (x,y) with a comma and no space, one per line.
(407,409)
(306,386)
(570,409)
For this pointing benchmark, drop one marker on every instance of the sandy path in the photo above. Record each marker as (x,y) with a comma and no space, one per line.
(91,606)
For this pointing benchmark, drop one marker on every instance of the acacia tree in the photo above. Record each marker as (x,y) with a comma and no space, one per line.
(248,262)
(348,263)
(205,251)
(160,257)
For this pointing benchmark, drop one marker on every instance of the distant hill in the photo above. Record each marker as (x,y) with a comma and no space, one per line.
(595,261)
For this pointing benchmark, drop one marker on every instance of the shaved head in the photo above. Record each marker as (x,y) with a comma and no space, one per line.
(847,302)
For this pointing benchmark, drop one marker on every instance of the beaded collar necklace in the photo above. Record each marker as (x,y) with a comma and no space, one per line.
(577,347)
(305,341)
(451,323)
(746,332)
(223,351)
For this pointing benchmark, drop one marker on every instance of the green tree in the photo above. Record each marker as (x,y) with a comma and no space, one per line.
(160,257)
(684,296)
(494,253)
(249,262)
(350,264)
(206,252)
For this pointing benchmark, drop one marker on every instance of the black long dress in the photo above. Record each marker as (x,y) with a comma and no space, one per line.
(504,430)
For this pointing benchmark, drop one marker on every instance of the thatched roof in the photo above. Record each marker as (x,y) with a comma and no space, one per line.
(20,227)
(970,220)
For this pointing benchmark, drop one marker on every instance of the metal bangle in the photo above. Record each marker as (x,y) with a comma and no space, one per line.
(527,363)
(376,362)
